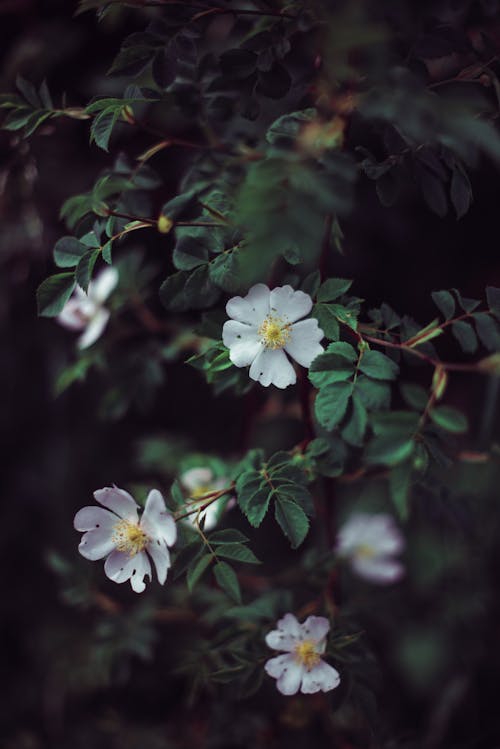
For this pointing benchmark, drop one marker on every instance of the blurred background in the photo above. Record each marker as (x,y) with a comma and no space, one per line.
(94,669)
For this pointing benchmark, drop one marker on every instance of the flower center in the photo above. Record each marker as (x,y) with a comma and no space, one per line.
(365,551)
(200,491)
(274,332)
(129,537)
(306,654)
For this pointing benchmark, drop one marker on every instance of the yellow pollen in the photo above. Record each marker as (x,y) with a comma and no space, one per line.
(306,654)
(365,551)
(274,332)
(129,537)
(200,491)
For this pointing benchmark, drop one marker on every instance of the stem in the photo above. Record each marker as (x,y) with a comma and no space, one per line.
(211,496)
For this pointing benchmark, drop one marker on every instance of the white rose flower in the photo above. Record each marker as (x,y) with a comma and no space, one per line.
(264,326)
(199,482)
(369,542)
(123,539)
(86,311)
(300,666)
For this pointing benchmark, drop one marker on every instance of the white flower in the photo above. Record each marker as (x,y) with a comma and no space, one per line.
(300,667)
(264,325)
(369,542)
(123,539)
(86,311)
(201,481)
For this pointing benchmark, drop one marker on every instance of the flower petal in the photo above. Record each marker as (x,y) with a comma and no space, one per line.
(90,518)
(378,569)
(159,553)
(286,634)
(315,628)
(242,341)
(156,520)
(96,544)
(119,567)
(104,284)
(322,677)
(291,678)
(271,367)
(275,666)
(379,532)
(252,308)
(72,316)
(94,329)
(196,477)
(119,501)
(304,342)
(286,302)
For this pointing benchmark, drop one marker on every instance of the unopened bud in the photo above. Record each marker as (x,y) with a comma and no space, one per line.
(164,224)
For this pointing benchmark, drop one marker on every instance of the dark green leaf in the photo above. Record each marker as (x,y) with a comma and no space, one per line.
(238,552)
(292,520)
(333,288)
(399,486)
(227,536)
(450,419)
(378,365)
(68,252)
(444,302)
(53,294)
(488,331)
(389,450)
(226,577)
(465,335)
(196,570)
(331,403)
(85,268)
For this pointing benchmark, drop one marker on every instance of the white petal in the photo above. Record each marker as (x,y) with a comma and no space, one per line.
(141,569)
(271,367)
(290,304)
(96,544)
(275,666)
(90,518)
(119,567)
(104,284)
(242,341)
(94,329)
(315,628)
(196,477)
(383,534)
(291,678)
(352,533)
(158,551)
(286,635)
(322,677)
(252,308)
(304,342)
(72,316)
(119,501)
(156,520)
(378,569)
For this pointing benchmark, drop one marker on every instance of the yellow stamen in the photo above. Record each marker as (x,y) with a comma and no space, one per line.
(129,537)
(365,551)
(306,654)
(274,332)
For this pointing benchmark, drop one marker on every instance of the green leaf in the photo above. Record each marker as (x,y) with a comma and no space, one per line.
(102,126)
(227,536)
(225,271)
(68,251)
(106,252)
(397,423)
(375,394)
(488,331)
(292,520)
(196,570)
(310,284)
(465,335)
(415,395)
(172,292)
(253,496)
(378,365)
(334,365)
(187,557)
(493,297)
(450,419)
(444,302)
(327,320)
(226,577)
(389,450)
(238,552)
(191,249)
(333,288)
(53,294)
(85,268)
(284,131)
(354,431)
(331,403)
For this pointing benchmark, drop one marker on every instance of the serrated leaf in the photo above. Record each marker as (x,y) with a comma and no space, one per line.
(389,450)
(444,302)
(68,252)
(53,294)
(488,331)
(85,268)
(228,536)
(292,520)
(327,320)
(465,335)
(186,557)
(238,552)
(196,570)
(228,581)
(253,496)
(378,365)
(331,403)
(355,428)
(450,419)
(333,288)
